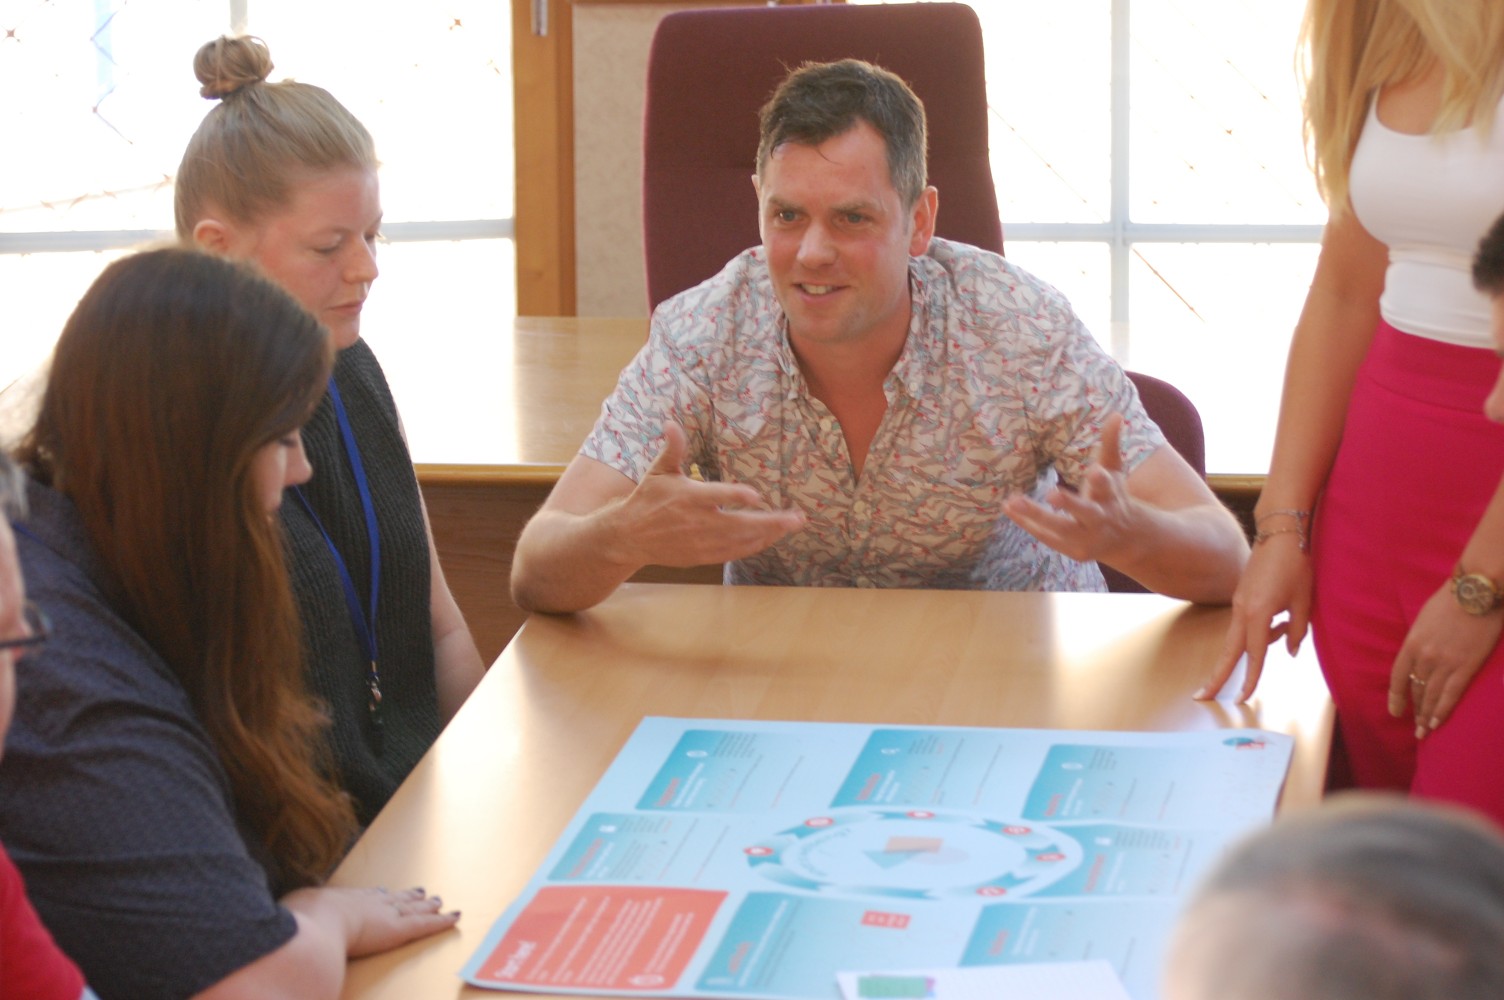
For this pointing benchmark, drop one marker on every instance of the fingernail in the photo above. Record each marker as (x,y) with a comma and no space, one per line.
(1420,731)
(1200,694)
(438,902)
(1435,723)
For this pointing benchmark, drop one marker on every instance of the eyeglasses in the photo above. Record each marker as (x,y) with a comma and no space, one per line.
(38,629)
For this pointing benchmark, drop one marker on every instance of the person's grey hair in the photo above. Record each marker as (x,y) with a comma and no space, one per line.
(1368,898)
(819,101)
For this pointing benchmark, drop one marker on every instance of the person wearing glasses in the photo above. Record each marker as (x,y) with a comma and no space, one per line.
(167,789)
(282,174)
(31,964)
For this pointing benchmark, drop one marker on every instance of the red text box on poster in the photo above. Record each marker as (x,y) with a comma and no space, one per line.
(602,937)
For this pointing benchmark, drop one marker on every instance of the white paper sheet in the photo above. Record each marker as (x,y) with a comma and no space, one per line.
(1041,981)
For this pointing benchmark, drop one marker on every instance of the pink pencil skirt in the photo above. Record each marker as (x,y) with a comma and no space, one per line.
(1417,466)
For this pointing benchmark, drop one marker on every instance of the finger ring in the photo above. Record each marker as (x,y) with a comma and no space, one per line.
(1417,680)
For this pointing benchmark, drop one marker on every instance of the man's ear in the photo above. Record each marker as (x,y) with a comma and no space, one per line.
(212,235)
(926,206)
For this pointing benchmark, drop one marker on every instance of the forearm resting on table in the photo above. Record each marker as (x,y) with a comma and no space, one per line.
(334,924)
(568,562)
(308,967)
(1195,553)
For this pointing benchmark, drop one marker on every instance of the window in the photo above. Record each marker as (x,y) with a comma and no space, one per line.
(1148,161)
(110,101)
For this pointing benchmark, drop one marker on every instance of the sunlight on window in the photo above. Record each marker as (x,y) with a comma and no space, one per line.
(1213,139)
(1215,118)
(431,81)
(1049,68)
(429,347)
(102,98)
(110,101)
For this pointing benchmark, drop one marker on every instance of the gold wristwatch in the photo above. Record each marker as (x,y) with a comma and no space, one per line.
(1476,593)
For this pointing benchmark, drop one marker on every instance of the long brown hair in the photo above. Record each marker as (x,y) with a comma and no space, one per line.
(174,370)
(1351,48)
(261,139)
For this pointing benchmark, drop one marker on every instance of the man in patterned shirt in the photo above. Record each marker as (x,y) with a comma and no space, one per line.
(868,405)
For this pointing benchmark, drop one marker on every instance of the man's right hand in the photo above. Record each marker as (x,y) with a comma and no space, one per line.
(670,519)
(598,527)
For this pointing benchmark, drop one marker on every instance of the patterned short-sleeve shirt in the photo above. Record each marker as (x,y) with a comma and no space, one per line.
(1000,389)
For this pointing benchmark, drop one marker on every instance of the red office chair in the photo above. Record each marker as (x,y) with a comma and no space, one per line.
(711,70)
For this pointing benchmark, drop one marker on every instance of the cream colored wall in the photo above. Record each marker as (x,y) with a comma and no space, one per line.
(611,42)
(610,68)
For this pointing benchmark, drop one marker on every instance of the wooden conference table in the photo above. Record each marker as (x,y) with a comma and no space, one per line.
(486,804)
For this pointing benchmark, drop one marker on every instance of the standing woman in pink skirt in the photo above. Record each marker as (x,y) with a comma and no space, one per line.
(1381,525)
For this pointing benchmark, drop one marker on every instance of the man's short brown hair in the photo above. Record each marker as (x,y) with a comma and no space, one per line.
(819,101)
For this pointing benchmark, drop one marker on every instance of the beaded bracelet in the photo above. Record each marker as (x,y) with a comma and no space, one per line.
(1301,528)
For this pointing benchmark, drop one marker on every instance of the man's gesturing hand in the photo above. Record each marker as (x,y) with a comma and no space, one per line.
(670,519)
(1096,522)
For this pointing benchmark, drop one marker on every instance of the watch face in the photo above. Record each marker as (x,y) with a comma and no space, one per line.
(1476,594)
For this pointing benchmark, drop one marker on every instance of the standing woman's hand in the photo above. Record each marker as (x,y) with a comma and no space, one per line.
(1276,581)
(1443,651)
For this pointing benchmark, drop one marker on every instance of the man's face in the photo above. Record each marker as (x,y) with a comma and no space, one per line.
(1493,406)
(838,238)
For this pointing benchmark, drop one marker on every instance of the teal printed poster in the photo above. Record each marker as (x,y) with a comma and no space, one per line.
(721,858)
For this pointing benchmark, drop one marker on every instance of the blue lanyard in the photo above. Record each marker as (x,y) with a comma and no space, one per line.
(365,624)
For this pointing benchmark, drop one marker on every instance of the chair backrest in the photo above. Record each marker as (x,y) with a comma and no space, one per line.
(711,70)
(1177,416)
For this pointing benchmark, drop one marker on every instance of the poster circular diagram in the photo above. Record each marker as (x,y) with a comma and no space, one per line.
(915,853)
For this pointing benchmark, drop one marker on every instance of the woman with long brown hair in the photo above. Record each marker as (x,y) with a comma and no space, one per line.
(167,790)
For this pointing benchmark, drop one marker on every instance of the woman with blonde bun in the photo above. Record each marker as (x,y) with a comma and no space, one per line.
(1381,525)
(283,175)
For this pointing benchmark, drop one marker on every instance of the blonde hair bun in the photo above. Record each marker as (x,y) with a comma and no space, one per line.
(227,64)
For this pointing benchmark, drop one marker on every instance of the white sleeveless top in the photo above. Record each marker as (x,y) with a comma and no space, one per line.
(1430,199)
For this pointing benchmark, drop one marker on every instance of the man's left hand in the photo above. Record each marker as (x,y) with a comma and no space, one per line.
(1096,522)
